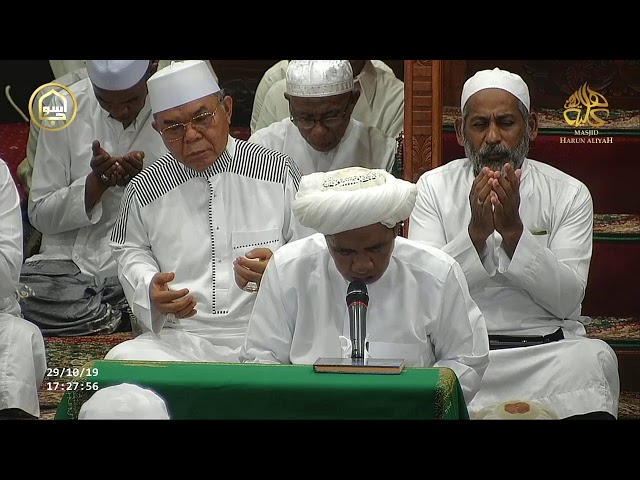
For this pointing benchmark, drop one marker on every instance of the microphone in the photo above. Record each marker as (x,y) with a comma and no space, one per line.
(357,303)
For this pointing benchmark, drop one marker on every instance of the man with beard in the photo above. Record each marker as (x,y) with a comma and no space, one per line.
(522,232)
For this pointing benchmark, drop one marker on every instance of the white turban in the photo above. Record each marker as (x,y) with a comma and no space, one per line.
(496,78)
(319,78)
(116,74)
(350,198)
(124,402)
(180,83)
(516,410)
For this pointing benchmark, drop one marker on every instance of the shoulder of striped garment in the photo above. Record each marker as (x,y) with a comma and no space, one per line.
(251,160)
(255,161)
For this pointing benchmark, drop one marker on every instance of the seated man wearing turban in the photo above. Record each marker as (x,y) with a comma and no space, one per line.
(522,232)
(70,287)
(321,133)
(419,308)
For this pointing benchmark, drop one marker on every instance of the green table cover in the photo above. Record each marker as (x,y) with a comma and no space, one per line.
(259,391)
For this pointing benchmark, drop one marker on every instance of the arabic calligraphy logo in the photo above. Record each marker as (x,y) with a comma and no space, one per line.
(55,107)
(592,102)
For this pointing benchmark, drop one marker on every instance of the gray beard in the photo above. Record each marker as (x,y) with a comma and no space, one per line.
(480,158)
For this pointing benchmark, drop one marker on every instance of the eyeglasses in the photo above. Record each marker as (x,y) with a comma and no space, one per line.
(328,122)
(199,123)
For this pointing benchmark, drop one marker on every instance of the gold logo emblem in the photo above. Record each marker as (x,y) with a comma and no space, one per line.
(52,106)
(585,106)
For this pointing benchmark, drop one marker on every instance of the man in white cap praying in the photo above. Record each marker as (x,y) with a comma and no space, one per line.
(197,228)
(321,133)
(70,287)
(522,231)
(23,360)
(419,305)
(380,104)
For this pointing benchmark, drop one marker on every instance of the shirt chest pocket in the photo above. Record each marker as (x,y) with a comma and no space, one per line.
(245,241)
(541,235)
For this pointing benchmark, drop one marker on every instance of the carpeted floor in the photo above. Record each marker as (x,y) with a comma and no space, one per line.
(64,353)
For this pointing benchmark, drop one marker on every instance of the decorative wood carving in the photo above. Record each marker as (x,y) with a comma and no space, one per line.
(422,117)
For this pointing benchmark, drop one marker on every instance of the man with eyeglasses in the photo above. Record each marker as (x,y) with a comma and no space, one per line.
(381,101)
(321,134)
(369,69)
(70,287)
(197,228)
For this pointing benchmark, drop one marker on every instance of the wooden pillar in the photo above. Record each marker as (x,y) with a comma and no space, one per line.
(422,149)
(422,116)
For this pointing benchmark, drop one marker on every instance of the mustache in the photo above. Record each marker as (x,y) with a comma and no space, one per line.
(491,150)
(482,157)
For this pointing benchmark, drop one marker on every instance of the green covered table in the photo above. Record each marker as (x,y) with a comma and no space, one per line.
(257,391)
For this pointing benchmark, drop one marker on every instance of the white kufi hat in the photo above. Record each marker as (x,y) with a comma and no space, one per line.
(496,78)
(319,78)
(124,402)
(349,198)
(180,83)
(116,74)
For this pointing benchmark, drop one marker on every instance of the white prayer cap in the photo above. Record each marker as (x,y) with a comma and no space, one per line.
(116,74)
(496,78)
(180,83)
(354,197)
(319,78)
(516,410)
(124,402)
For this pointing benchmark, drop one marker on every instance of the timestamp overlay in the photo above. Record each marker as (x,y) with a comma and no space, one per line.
(63,379)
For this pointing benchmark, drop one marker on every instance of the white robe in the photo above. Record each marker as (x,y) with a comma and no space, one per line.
(381,102)
(361,146)
(56,201)
(195,224)
(419,310)
(22,351)
(540,289)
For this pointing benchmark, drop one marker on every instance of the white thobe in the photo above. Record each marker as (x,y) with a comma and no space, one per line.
(535,292)
(419,310)
(381,102)
(276,72)
(195,224)
(56,201)
(361,146)
(22,352)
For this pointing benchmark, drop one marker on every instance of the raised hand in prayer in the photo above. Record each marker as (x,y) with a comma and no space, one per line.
(506,203)
(248,270)
(129,166)
(103,165)
(481,224)
(171,302)
(102,176)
